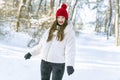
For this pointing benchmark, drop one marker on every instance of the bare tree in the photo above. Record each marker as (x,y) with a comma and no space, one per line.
(73,10)
(21,13)
(60,2)
(30,6)
(117,24)
(105,22)
(39,7)
(51,6)
(45,7)
(97,28)
(109,20)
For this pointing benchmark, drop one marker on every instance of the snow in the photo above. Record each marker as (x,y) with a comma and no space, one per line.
(96,58)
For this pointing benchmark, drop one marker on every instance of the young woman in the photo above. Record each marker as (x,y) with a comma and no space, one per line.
(56,47)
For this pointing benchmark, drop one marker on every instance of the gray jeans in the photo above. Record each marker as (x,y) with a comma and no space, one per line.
(57,70)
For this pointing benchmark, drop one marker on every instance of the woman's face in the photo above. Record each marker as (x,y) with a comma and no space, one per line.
(61,20)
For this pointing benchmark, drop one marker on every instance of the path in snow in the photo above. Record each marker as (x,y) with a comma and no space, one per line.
(96,59)
(96,50)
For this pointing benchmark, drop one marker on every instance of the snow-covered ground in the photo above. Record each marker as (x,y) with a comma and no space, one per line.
(96,59)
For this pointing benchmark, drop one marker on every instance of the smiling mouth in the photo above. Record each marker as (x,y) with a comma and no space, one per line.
(60,22)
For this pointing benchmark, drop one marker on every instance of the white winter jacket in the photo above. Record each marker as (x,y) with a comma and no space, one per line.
(57,51)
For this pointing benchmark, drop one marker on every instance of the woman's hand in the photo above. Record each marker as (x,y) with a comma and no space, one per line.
(70,70)
(27,56)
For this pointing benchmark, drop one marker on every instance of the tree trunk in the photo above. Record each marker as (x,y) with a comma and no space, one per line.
(109,22)
(39,7)
(117,24)
(73,9)
(60,2)
(21,9)
(45,7)
(51,7)
(97,18)
(110,18)
(30,6)
(106,20)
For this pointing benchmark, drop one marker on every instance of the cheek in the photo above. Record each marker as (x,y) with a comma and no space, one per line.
(63,20)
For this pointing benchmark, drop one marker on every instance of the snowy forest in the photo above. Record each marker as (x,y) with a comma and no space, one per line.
(34,16)
(96,26)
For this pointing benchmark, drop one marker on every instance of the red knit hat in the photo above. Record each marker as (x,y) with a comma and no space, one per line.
(62,11)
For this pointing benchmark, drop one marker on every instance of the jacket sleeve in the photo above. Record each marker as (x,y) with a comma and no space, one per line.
(37,49)
(70,50)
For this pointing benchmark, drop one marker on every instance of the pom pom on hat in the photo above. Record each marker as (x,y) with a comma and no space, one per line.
(62,11)
(64,6)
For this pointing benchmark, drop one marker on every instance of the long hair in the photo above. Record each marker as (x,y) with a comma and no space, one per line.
(60,33)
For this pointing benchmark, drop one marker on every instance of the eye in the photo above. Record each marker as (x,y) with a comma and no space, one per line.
(62,17)
(58,16)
